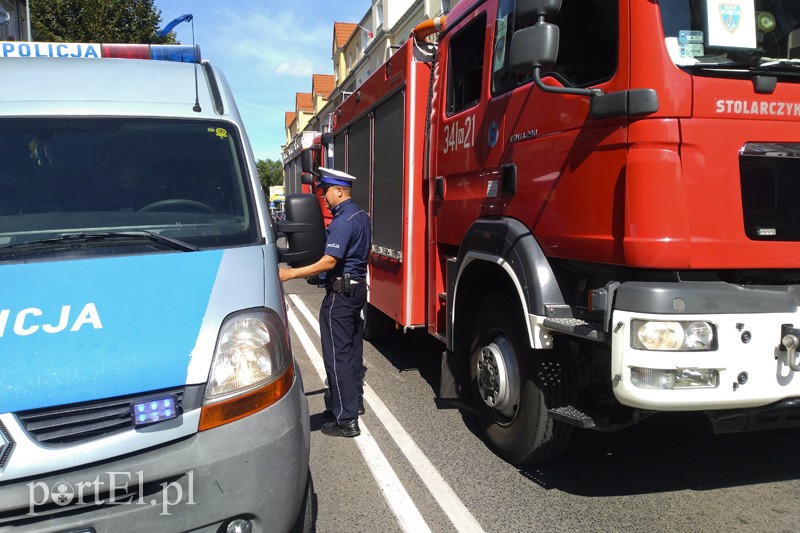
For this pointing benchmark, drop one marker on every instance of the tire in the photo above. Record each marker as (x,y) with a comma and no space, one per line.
(377,326)
(305,519)
(513,386)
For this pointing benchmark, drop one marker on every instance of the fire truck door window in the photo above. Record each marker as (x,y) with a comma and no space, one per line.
(465,66)
(587,51)
(503,78)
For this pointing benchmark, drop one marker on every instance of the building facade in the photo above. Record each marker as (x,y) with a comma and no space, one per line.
(14,20)
(358,49)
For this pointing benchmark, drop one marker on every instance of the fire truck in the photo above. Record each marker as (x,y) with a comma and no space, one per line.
(591,203)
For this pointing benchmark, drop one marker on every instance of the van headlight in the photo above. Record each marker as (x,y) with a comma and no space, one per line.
(673,336)
(252,367)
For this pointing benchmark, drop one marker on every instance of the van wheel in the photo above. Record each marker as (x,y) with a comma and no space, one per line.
(377,325)
(305,519)
(513,386)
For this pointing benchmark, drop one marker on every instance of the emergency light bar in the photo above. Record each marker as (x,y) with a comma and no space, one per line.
(161,52)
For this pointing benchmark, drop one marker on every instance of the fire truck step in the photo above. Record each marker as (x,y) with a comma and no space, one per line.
(576,327)
(574,416)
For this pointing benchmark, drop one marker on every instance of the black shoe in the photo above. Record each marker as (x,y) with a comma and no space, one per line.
(347,429)
(328,413)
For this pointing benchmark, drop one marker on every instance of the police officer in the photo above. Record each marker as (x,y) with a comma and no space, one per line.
(343,273)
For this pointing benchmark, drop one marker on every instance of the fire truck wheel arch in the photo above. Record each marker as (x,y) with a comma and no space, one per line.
(510,247)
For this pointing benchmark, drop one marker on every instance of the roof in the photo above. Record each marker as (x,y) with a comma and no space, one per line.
(322,84)
(117,87)
(290,116)
(342,32)
(304,103)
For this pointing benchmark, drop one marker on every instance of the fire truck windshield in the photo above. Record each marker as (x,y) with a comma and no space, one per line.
(749,34)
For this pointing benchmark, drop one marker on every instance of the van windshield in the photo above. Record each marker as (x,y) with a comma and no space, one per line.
(746,33)
(128,184)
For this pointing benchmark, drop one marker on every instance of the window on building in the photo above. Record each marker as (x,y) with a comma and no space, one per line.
(465,66)
(378,14)
(587,50)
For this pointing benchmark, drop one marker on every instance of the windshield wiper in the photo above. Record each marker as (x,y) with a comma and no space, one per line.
(778,64)
(101,236)
(772,65)
(721,66)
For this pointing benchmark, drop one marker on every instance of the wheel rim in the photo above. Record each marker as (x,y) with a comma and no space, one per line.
(498,378)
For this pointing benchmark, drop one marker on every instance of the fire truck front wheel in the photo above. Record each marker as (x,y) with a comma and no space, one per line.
(513,385)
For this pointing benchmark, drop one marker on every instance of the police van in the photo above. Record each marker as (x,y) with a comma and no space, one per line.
(147,381)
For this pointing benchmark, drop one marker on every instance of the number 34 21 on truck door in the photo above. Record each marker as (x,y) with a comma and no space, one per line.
(458,136)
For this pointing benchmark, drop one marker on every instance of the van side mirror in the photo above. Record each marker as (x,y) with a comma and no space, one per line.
(304,230)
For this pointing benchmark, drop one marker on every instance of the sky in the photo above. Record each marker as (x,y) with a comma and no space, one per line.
(267,50)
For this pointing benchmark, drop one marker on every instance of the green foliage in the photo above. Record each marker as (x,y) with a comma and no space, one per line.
(269,172)
(97,21)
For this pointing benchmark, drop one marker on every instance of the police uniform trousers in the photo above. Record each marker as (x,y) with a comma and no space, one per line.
(343,349)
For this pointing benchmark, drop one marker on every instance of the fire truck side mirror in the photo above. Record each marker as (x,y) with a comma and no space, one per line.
(534,47)
(532,9)
(307,179)
(304,230)
(535,50)
(307,161)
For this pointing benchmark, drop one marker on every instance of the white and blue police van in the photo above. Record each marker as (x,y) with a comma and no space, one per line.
(147,381)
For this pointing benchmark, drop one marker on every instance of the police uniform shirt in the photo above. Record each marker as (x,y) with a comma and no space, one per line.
(349,238)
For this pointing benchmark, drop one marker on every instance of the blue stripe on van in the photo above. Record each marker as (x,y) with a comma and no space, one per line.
(74,331)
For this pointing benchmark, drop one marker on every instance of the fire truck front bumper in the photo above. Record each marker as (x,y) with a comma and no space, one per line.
(706,347)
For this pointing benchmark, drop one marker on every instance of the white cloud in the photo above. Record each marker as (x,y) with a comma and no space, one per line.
(302,68)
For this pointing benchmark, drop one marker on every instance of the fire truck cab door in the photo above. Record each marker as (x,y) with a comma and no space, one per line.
(461,147)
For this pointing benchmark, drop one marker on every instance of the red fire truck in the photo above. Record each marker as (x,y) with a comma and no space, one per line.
(591,203)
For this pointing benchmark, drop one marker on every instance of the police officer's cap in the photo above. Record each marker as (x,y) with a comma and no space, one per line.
(329,176)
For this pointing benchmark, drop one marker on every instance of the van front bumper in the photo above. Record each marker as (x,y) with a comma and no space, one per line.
(254,468)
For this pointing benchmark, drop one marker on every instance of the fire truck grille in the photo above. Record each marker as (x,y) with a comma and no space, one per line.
(770,179)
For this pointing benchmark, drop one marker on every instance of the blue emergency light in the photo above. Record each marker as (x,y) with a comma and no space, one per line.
(160,52)
(154,410)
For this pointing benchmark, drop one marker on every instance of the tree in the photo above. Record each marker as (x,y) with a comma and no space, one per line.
(269,172)
(97,21)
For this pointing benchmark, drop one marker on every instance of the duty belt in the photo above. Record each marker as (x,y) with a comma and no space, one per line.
(337,284)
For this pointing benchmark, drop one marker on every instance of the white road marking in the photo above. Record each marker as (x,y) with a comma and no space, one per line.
(393,491)
(444,495)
